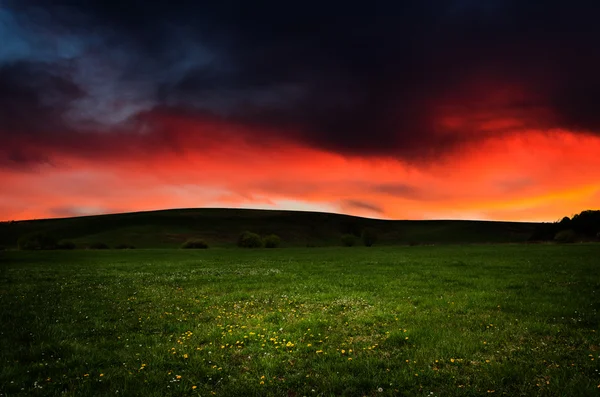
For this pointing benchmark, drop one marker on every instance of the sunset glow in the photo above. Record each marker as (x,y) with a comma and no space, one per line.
(199,118)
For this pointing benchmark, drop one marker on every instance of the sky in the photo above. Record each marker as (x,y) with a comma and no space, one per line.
(428,109)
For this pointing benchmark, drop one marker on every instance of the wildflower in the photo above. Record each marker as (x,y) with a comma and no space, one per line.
(185,356)
(309,345)
(349,358)
(194,387)
(380,390)
(451,360)
(262,382)
(319,351)
(178,377)
(343,351)
(101,374)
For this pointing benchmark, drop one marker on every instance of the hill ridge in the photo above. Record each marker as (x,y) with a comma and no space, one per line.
(221,226)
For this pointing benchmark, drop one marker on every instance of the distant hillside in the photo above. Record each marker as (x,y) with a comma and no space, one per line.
(221,227)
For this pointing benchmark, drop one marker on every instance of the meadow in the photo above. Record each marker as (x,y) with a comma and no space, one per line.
(461,320)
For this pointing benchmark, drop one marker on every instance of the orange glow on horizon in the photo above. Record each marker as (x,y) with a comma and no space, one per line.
(525,176)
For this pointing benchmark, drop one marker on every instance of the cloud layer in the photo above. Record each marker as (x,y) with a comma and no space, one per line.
(421,84)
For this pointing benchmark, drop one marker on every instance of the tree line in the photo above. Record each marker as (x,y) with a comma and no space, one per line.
(584,226)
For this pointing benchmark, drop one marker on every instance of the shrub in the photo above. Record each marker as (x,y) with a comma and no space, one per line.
(195,243)
(272,241)
(348,240)
(125,247)
(98,246)
(369,237)
(249,240)
(65,245)
(565,236)
(37,241)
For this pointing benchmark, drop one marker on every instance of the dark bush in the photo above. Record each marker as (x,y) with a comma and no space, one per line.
(37,241)
(195,243)
(369,237)
(65,245)
(125,247)
(272,241)
(98,246)
(565,236)
(249,240)
(348,240)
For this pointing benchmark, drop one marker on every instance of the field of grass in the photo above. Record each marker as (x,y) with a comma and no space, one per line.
(427,320)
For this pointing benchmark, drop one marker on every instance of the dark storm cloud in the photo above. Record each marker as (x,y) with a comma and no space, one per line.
(369,79)
(33,96)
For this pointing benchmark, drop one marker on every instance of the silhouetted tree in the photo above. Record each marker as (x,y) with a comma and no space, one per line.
(585,224)
(249,240)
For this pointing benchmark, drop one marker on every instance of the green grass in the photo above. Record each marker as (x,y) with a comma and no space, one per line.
(408,321)
(222,227)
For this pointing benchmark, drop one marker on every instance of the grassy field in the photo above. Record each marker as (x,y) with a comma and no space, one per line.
(221,228)
(427,320)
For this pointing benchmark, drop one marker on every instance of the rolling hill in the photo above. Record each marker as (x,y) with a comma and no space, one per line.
(221,227)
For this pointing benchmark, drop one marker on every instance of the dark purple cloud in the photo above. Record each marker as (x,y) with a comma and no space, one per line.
(374,78)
